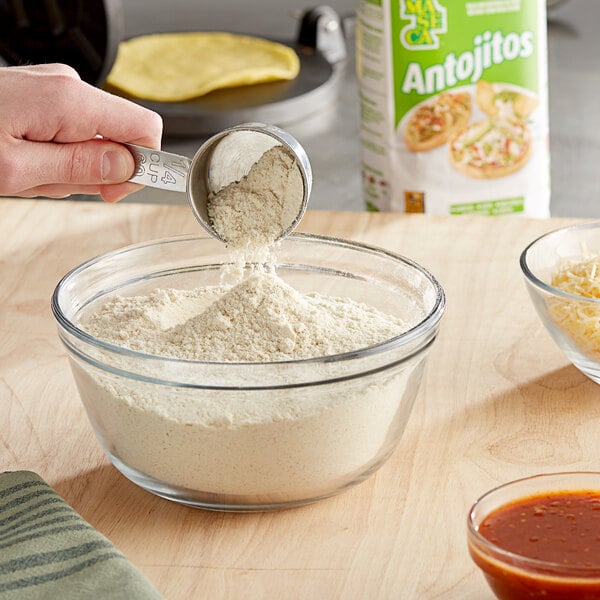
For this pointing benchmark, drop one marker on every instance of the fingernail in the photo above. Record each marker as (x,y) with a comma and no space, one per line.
(115,167)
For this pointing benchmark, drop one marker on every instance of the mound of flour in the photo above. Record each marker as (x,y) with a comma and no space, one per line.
(232,443)
(262,319)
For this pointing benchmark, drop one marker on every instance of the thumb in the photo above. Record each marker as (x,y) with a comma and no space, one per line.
(92,162)
(117,165)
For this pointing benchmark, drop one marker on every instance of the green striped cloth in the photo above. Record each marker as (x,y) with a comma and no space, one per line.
(48,551)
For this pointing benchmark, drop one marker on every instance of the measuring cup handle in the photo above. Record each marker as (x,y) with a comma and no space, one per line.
(159,169)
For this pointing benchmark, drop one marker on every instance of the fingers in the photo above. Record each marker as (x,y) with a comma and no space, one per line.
(116,192)
(50,68)
(82,112)
(109,193)
(59,191)
(51,103)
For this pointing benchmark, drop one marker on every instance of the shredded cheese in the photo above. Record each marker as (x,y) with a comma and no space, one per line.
(580,319)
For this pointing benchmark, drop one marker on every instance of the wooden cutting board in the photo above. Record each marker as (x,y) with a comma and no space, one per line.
(498,401)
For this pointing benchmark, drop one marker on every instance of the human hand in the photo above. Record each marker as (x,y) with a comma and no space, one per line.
(59,135)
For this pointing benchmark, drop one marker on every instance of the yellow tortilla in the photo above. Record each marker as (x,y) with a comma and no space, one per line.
(172,67)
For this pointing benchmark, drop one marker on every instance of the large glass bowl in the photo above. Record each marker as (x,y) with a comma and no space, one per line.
(250,436)
(571,320)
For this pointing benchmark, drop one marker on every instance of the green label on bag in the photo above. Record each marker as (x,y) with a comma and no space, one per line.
(436,49)
(505,206)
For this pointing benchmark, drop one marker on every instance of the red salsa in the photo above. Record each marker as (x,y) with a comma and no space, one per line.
(562,528)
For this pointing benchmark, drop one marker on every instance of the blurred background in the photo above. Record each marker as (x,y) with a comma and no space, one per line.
(331,137)
(330,133)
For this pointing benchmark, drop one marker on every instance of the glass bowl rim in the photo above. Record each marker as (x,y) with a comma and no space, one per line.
(520,561)
(426,324)
(536,281)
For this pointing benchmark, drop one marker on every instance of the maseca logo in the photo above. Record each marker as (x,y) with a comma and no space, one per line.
(427,20)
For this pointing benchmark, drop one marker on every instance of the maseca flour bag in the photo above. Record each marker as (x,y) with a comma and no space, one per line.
(454,106)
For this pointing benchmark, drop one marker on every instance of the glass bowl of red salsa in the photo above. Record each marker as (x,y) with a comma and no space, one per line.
(539,537)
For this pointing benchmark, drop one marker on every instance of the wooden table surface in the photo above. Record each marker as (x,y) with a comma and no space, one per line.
(498,401)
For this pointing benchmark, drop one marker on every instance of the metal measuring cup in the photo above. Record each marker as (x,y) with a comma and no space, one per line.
(236,150)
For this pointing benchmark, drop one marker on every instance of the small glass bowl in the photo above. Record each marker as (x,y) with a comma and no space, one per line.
(561,312)
(515,577)
(250,436)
